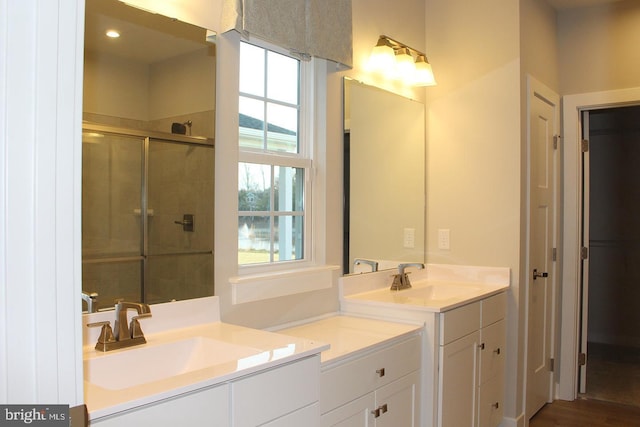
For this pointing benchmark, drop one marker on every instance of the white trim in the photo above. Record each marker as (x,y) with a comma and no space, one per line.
(572,223)
(40,146)
(258,287)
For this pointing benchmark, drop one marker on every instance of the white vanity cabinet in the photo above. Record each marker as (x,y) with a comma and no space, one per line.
(471,358)
(381,388)
(284,395)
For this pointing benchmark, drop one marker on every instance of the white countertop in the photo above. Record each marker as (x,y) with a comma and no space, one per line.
(349,335)
(267,350)
(436,288)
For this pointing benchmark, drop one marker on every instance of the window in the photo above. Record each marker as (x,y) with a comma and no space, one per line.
(274,159)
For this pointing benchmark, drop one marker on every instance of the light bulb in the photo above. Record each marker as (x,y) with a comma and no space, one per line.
(382,56)
(405,67)
(424,73)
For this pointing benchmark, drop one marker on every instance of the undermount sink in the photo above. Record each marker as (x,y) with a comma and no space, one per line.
(433,294)
(149,363)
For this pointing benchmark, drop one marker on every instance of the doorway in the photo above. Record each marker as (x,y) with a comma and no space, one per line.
(610,339)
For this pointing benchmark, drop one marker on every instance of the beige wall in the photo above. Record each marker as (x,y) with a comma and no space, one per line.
(182,84)
(476,161)
(114,86)
(599,47)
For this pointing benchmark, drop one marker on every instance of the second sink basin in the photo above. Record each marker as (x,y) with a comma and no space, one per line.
(435,294)
(149,363)
(438,292)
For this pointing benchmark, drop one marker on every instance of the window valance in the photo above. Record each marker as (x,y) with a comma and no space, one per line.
(320,28)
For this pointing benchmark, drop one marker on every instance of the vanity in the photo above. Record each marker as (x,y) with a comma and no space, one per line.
(196,370)
(430,355)
(463,309)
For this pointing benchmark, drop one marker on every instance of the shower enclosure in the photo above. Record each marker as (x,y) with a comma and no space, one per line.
(147,215)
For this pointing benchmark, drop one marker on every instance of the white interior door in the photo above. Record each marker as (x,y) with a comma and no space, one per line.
(543,163)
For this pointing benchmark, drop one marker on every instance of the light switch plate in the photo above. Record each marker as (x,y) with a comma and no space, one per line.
(444,242)
(409,238)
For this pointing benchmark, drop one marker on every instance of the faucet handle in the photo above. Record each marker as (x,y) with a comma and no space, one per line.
(134,326)
(106,333)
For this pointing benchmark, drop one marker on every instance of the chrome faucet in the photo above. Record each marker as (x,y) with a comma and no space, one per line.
(127,334)
(372,263)
(92,301)
(401,280)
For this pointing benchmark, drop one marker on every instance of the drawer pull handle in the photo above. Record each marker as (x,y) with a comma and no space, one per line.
(379,410)
(481,346)
(495,405)
(497,351)
(380,372)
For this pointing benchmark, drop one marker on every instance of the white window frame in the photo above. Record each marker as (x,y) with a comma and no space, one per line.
(263,281)
(302,159)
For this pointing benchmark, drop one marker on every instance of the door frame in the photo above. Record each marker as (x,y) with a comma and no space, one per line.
(572,107)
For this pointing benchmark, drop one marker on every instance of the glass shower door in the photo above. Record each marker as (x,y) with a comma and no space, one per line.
(112,261)
(147,216)
(179,238)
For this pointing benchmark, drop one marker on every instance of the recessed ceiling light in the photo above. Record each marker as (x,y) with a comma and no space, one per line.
(114,34)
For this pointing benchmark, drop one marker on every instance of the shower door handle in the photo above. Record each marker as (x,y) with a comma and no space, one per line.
(187,222)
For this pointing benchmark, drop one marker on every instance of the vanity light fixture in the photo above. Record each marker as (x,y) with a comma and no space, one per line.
(400,61)
(113,34)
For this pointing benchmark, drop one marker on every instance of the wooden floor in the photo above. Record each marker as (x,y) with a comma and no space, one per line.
(586,413)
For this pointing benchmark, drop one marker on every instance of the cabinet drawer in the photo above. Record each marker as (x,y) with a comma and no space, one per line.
(362,375)
(494,308)
(492,358)
(491,402)
(268,395)
(457,323)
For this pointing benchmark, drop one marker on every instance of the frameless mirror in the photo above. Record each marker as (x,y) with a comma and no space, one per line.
(384,178)
(148,157)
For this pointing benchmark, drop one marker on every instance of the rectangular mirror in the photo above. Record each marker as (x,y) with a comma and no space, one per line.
(384,184)
(148,157)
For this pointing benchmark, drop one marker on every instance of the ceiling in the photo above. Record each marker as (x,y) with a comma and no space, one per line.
(145,37)
(568,4)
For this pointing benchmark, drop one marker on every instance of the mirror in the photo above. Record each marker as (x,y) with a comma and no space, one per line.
(148,157)
(384,178)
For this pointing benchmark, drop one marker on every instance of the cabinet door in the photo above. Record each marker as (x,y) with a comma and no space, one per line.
(267,395)
(491,402)
(353,414)
(457,396)
(308,416)
(492,357)
(208,407)
(397,403)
